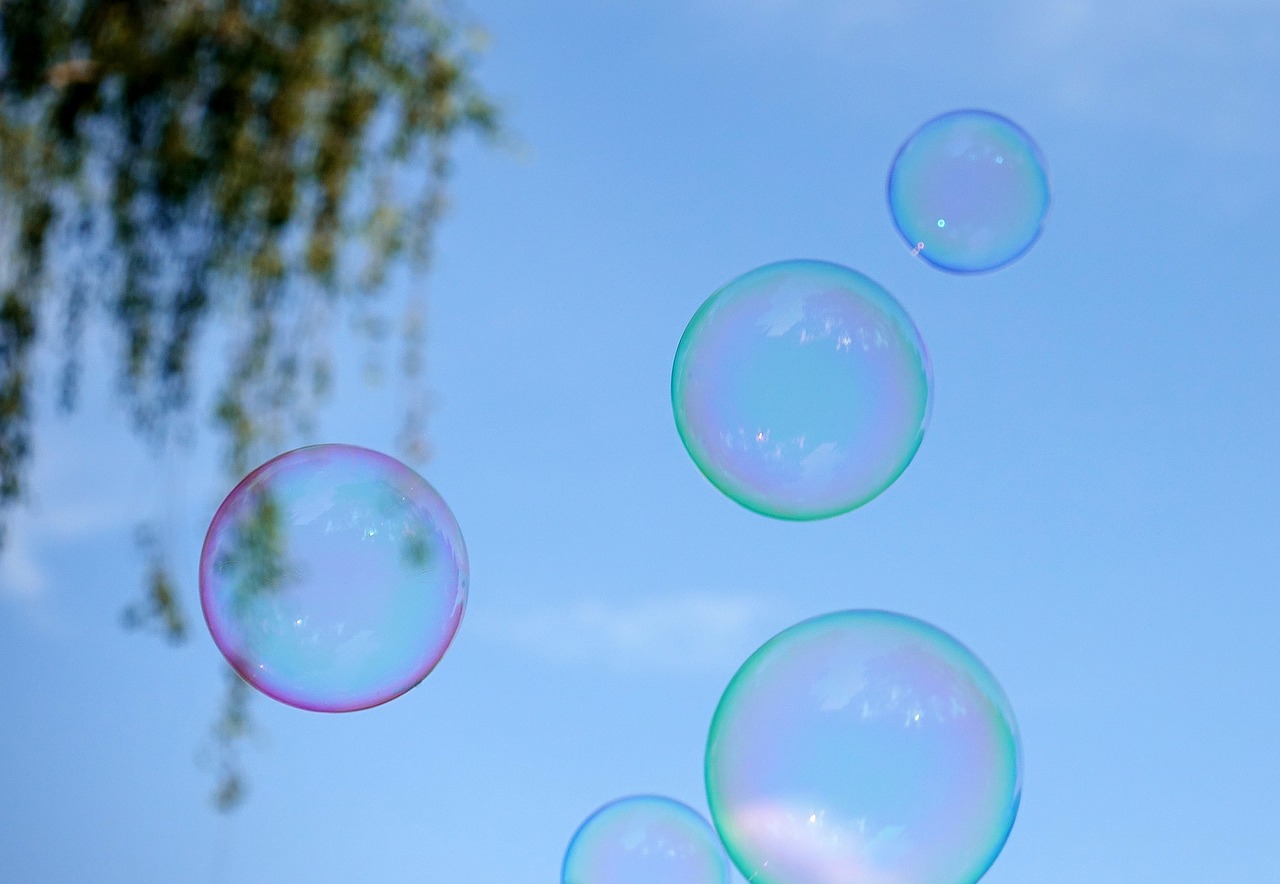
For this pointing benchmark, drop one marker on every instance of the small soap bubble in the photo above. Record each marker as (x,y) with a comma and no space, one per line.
(645,839)
(333,578)
(968,191)
(863,746)
(801,389)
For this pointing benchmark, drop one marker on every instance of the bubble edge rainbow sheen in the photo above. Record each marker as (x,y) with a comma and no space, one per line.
(913,243)
(893,309)
(917,627)
(439,508)
(690,812)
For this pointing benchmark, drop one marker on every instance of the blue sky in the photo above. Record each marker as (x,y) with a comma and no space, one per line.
(1093,509)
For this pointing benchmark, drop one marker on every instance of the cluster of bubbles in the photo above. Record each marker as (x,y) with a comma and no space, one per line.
(802,389)
(860,747)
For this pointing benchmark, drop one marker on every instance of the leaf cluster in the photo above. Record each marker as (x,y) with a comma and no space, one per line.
(163,161)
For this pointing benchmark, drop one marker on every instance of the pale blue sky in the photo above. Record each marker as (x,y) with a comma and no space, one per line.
(1093,509)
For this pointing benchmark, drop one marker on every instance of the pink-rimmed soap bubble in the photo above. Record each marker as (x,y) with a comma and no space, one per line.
(645,839)
(863,747)
(333,578)
(801,389)
(968,191)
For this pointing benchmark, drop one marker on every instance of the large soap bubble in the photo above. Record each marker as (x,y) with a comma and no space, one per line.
(645,839)
(801,389)
(863,747)
(333,578)
(968,191)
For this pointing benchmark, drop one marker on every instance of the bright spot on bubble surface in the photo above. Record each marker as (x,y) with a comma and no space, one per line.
(801,389)
(968,191)
(333,578)
(863,746)
(645,839)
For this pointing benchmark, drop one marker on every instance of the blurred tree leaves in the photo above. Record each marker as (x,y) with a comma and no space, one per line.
(174,164)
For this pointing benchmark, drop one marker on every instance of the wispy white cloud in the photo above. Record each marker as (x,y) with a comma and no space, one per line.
(837,13)
(1197,71)
(673,633)
(1200,70)
(21,576)
(87,478)
(818,22)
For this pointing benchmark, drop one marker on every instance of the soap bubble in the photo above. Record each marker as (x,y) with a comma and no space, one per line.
(867,747)
(645,839)
(968,191)
(333,578)
(801,389)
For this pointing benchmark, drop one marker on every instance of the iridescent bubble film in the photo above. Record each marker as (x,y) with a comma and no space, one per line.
(645,839)
(968,191)
(801,389)
(333,578)
(863,747)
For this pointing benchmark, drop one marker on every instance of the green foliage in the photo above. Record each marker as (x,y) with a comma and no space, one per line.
(202,154)
(168,165)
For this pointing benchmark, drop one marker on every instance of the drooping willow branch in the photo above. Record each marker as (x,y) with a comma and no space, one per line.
(167,166)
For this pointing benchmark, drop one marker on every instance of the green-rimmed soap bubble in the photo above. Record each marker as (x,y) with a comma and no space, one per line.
(863,747)
(968,191)
(333,578)
(801,389)
(645,839)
